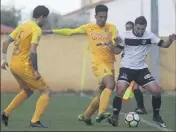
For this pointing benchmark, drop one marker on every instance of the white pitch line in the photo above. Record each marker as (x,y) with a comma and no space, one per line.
(142,120)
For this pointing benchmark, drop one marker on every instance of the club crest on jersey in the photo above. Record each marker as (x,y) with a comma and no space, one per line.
(144,42)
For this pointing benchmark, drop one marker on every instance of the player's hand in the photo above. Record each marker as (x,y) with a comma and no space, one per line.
(37,75)
(110,44)
(172,37)
(4,65)
(47,32)
(118,40)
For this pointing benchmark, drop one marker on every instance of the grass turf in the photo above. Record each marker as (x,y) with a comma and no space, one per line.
(62,112)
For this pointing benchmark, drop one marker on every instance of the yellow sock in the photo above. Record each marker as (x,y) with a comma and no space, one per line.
(93,107)
(40,107)
(18,100)
(104,100)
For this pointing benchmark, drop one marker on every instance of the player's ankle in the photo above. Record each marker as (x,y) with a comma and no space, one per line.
(156,114)
(34,121)
(141,107)
(6,114)
(100,112)
(87,118)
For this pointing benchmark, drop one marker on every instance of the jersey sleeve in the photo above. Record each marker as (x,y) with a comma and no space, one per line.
(66,31)
(122,44)
(114,33)
(36,36)
(155,39)
(13,35)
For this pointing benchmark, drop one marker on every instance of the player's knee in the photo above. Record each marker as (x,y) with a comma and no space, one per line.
(157,92)
(28,92)
(120,88)
(110,85)
(109,82)
(136,86)
(101,88)
(154,88)
(47,91)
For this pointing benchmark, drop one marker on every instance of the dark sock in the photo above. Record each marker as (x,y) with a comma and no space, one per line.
(117,104)
(156,103)
(139,98)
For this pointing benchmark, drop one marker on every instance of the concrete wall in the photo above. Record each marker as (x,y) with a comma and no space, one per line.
(60,63)
(168,67)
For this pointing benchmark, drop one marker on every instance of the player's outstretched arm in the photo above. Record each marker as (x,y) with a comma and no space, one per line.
(67,31)
(168,42)
(5,46)
(116,47)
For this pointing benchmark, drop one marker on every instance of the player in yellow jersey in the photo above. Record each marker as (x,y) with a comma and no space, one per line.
(103,59)
(23,65)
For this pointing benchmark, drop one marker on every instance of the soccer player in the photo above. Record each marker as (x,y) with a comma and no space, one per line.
(129,26)
(102,60)
(24,68)
(136,45)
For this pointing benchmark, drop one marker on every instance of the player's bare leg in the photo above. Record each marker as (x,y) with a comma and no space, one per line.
(109,82)
(139,99)
(15,103)
(121,87)
(41,105)
(154,88)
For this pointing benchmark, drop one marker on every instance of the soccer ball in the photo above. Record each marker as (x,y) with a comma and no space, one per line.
(132,119)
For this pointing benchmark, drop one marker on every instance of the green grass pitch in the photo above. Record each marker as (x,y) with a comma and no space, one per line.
(62,112)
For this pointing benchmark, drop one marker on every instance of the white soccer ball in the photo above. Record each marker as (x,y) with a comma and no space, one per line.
(132,119)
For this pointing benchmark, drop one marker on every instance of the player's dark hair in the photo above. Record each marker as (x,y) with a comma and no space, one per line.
(40,11)
(130,22)
(101,8)
(141,20)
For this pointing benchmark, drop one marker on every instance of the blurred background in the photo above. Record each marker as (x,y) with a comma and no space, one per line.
(77,12)
(65,61)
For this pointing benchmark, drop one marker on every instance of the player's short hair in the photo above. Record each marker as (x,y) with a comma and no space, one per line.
(40,11)
(101,8)
(130,22)
(141,20)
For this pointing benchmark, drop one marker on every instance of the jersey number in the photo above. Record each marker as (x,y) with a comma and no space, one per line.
(17,44)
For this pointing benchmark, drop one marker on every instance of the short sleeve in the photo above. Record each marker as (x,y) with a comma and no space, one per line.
(114,32)
(122,44)
(13,35)
(154,39)
(36,36)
